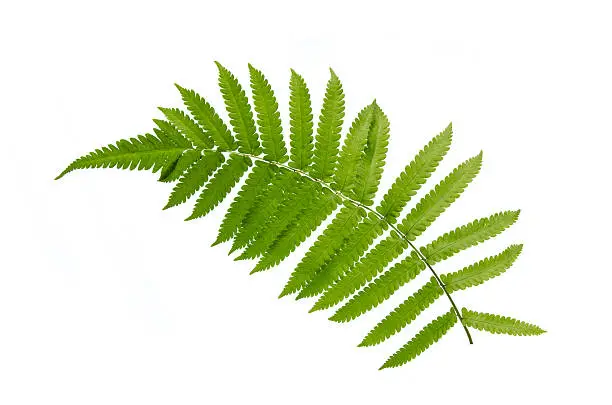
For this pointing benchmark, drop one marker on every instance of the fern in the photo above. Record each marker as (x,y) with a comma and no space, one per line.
(500,324)
(328,130)
(368,251)
(429,335)
(300,114)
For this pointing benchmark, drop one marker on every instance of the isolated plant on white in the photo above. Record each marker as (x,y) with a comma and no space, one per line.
(288,194)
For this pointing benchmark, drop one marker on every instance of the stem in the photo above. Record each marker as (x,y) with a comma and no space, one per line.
(381,217)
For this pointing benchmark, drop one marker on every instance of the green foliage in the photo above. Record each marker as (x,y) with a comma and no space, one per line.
(353,247)
(499,324)
(440,198)
(327,140)
(239,111)
(468,235)
(188,127)
(380,289)
(220,185)
(405,313)
(268,118)
(146,152)
(414,175)
(482,271)
(350,158)
(300,115)
(194,178)
(429,335)
(208,118)
(367,251)
(324,248)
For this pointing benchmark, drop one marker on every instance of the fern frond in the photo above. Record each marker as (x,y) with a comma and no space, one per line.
(352,150)
(440,249)
(440,198)
(265,206)
(468,235)
(294,202)
(353,248)
(194,178)
(170,135)
(499,324)
(175,170)
(324,248)
(303,226)
(327,140)
(300,116)
(414,175)
(142,153)
(257,180)
(287,196)
(220,185)
(268,117)
(239,111)
(370,167)
(394,201)
(429,335)
(405,313)
(369,266)
(482,271)
(188,127)
(380,289)
(208,118)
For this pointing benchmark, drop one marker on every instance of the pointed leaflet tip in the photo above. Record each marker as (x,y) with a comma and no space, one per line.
(449,128)
(334,318)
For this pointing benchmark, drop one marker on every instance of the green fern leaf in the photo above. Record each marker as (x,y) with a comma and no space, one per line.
(370,167)
(265,206)
(268,118)
(175,170)
(194,178)
(288,211)
(142,153)
(468,235)
(300,115)
(352,150)
(429,335)
(286,197)
(440,249)
(394,201)
(380,289)
(414,175)
(482,271)
(499,324)
(220,185)
(239,111)
(170,135)
(257,180)
(188,127)
(327,140)
(208,118)
(369,266)
(324,248)
(405,313)
(345,257)
(303,226)
(440,198)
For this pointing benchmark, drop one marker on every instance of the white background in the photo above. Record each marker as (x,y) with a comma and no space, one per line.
(107,299)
